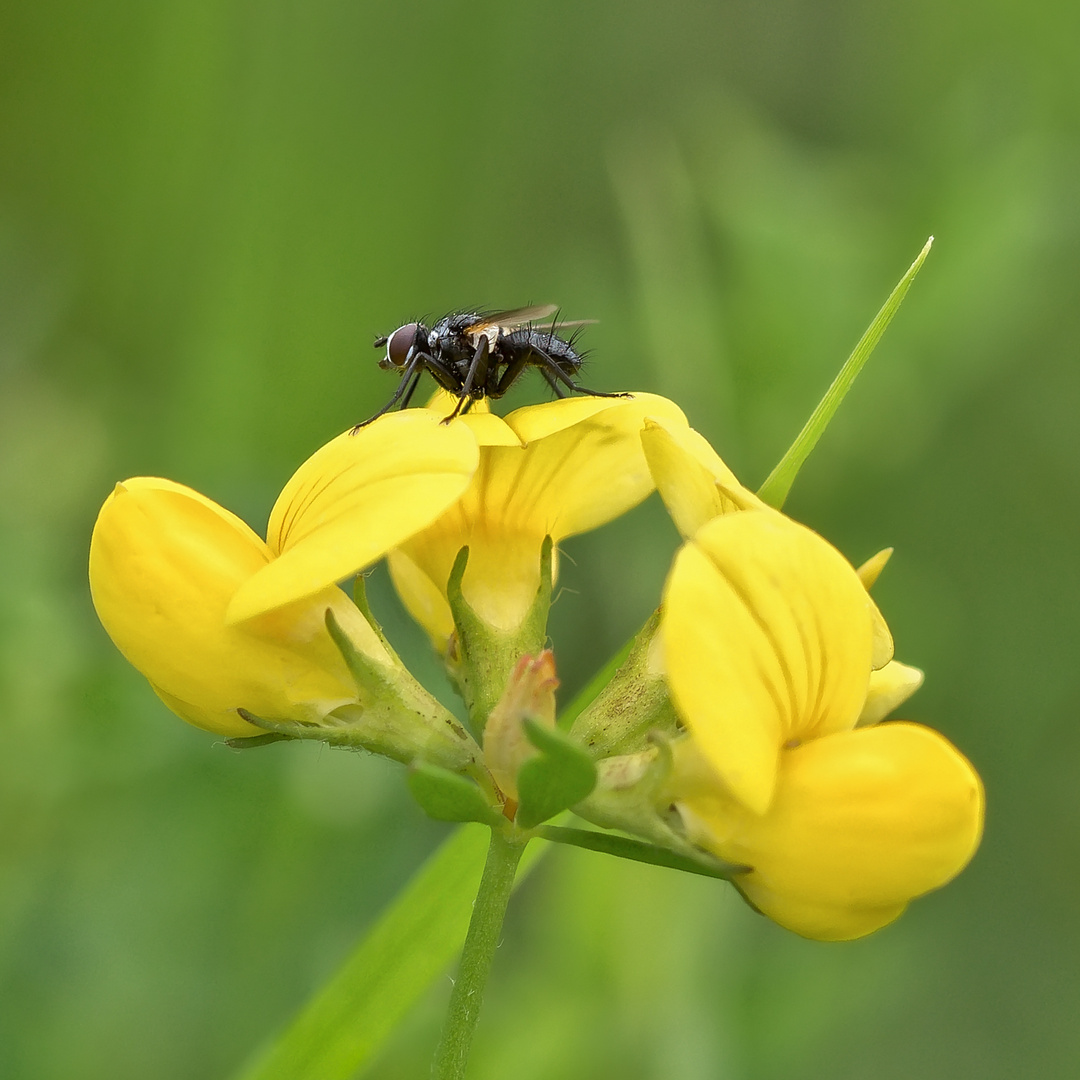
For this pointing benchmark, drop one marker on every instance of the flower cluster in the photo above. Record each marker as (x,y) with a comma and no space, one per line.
(743,734)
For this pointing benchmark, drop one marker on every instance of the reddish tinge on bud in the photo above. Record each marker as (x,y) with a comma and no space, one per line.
(530,694)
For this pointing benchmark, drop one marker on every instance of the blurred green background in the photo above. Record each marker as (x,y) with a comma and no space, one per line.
(209,209)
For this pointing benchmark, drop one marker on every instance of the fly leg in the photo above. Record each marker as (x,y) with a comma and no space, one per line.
(477,376)
(551,370)
(509,376)
(412,389)
(416,363)
(553,383)
(412,368)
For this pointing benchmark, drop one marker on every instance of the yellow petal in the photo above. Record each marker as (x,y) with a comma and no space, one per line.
(883,639)
(443,403)
(767,640)
(500,582)
(582,465)
(164,561)
(862,822)
(488,429)
(693,481)
(870,570)
(355,499)
(422,598)
(889,688)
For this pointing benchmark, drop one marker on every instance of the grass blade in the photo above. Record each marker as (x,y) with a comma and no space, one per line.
(414,942)
(778,483)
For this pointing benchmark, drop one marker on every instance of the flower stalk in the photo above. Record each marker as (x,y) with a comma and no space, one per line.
(481,941)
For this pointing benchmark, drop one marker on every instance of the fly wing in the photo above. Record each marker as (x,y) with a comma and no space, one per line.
(568,323)
(511,320)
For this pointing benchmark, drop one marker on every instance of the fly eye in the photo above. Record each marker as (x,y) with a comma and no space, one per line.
(400,342)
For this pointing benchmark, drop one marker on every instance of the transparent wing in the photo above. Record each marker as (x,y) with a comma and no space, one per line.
(568,323)
(515,317)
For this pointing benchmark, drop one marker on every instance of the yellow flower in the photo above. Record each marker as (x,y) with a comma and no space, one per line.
(218,620)
(353,500)
(164,563)
(768,637)
(555,469)
(693,481)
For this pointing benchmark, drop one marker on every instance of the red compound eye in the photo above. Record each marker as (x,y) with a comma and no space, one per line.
(400,342)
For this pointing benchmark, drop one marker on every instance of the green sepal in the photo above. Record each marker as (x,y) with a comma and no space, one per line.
(624,847)
(360,599)
(631,796)
(369,675)
(447,796)
(778,483)
(631,705)
(344,735)
(482,656)
(395,716)
(250,742)
(561,775)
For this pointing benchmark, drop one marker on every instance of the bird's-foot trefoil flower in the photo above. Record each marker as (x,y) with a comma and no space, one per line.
(768,639)
(695,486)
(763,680)
(239,636)
(546,472)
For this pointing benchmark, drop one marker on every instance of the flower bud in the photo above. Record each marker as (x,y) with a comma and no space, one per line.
(529,695)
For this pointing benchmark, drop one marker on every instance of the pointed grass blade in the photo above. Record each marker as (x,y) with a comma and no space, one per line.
(778,483)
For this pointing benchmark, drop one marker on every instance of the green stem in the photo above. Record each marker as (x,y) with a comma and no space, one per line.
(452,1056)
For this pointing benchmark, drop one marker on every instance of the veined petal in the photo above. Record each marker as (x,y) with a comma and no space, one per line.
(489,429)
(581,465)
(353,500)
(767,639)
(164,561)
(539,421)
(862,822)
(500,581)
(693,481)
(889,688)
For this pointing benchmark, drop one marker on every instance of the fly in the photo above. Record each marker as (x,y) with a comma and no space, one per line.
(475,355)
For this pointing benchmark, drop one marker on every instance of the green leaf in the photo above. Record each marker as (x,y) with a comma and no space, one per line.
(624,847)
(447,796)
(778,483)
(340,1030)
(560,776)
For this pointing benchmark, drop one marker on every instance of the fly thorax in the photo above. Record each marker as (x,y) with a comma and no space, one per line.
(489,332)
